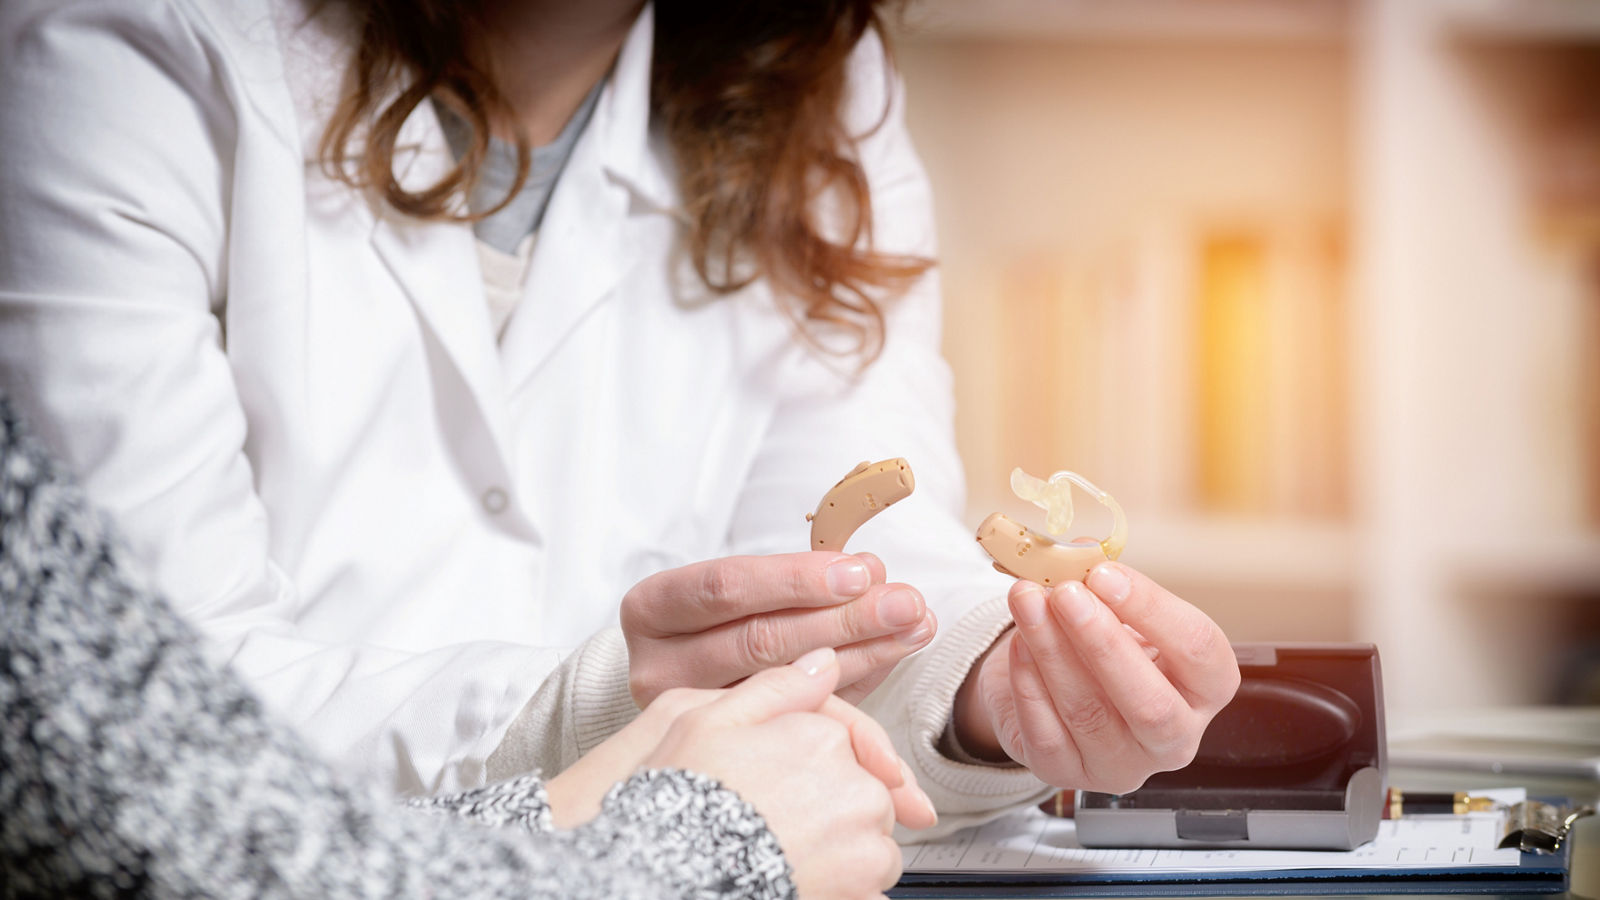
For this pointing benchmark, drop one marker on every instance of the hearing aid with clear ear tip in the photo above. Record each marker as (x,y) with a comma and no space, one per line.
(865,491)
(1020,552)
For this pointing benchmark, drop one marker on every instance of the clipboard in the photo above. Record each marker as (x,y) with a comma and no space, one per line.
(1535,874)
(1029,854)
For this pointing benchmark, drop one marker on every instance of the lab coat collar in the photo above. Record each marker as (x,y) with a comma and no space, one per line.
(618,167)
(583,247)
(636,155)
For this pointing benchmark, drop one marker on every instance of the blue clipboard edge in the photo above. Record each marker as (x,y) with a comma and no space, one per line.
(1301,882)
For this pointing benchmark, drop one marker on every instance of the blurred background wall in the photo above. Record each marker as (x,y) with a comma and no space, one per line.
(1312,287)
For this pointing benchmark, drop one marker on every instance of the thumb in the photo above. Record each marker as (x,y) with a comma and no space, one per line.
(802,686)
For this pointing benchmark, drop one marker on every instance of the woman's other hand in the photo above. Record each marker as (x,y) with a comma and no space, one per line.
(713,623)
(1101,684)
(822,774)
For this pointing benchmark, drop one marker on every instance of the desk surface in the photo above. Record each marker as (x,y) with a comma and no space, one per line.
(1585,868)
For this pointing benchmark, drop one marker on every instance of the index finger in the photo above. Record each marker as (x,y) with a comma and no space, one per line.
(1194,653)
(700,596)
(802,686)
(875,753)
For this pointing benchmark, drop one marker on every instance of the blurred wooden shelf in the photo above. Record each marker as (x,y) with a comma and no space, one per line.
(1256,20)
(1561,21)
(1555,563)
(1402,166)
(1244,552)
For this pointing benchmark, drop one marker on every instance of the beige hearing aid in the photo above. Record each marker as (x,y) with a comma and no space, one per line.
(1021,552)
(866,491)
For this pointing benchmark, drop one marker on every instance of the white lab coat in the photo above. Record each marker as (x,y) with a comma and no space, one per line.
(293,404)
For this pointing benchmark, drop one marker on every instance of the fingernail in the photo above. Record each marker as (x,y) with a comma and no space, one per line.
(1027,606)
(815,661)
(1076,602)
(919,635)
(899,608)
(927,804)
(1110,582)
(848,578)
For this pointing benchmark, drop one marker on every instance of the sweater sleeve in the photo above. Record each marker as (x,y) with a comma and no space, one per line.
(133,767)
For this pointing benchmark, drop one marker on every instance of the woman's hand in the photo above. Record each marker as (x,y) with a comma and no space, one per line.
(711,624)
(823,774)
(829,804)
(1100,685)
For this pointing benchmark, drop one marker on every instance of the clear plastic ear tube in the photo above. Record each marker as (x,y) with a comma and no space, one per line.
(1054,496)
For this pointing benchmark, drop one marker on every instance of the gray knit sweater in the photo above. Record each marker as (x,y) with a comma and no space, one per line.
(129,766)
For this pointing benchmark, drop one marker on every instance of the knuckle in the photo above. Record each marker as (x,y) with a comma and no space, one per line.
(1086,718)
(859,618)
(646,679)
(642,688)
(1167,731)
(1050,745)
(1098,643)
(1207,650)
(695,721)
(720,582)
(824,733)
(1158,716)
(878,657)
(674,702)
(634,613)
(801,583)
(1009,734)
(1120,775)
(1228,685)
(1124,783)
(1200,645)
(1028,691)
(1178,755)
(826,748)
(762,643)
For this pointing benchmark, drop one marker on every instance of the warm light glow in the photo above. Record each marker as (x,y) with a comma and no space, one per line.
(1310,287)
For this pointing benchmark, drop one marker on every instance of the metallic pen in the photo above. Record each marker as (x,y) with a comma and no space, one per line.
(1435,803)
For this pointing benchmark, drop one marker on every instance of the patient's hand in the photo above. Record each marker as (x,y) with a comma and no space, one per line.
(821,772)
(1074,694)
(713,623)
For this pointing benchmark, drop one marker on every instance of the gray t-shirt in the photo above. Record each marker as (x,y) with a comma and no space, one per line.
(506,229)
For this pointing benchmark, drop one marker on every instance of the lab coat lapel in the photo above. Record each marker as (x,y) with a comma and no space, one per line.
(583,249)
(579,258)
(437,267)
(435,264)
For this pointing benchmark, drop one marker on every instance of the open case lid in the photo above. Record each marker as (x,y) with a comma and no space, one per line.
(1297,759)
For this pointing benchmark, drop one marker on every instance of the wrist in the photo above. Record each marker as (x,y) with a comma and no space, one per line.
(569,807)
(972,721)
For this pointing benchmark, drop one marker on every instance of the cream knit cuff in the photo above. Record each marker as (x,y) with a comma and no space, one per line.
(963,786)
(600,700)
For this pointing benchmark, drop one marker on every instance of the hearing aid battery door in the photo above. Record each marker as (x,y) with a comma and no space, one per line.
(1295,761)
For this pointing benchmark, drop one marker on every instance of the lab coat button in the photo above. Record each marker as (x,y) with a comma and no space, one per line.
(494,500)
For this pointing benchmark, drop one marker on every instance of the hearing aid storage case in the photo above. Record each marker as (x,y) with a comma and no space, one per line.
(1295,761)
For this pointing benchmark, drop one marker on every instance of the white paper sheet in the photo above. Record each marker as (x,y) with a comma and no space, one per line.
(1031,841)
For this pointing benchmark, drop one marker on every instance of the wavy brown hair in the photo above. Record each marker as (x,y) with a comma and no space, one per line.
(750,94)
